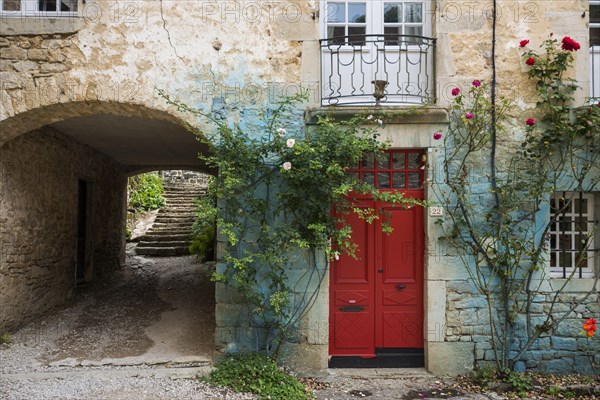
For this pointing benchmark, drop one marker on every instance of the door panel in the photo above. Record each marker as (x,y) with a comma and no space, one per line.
(401,329)
(351,294)
(353,333)
(399,287)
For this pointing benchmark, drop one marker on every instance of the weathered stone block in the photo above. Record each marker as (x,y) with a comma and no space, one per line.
(38,54)
(25,66)
(53,68)
(562,343)
(561,366)
(14,53)
(450,358)
(471,303)
(6,65)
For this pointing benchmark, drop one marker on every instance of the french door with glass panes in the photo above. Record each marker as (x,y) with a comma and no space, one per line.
(375,40)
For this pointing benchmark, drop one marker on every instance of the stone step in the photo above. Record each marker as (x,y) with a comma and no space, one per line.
(177,213)
(159,243)
(171,195)
(165,237)
(174,220)
(171,225)
(178,210)
(162,251)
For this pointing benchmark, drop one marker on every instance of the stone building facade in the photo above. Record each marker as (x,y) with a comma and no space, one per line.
(79,102)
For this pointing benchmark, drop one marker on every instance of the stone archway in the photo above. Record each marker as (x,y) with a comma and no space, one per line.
(45,154)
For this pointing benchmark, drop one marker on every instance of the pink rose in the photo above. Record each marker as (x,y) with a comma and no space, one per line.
(469,116)
(476,83)
(455,91)
(437,136)
(530,122)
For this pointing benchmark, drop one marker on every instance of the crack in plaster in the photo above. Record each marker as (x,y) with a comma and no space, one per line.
(166,30)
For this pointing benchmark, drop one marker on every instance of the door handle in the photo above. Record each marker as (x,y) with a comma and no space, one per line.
(380,270)
(400,287)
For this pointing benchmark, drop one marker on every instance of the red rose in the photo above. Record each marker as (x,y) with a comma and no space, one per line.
(569,44)
(476,83)
(530,122)
(455,91)
(523,43)
(530,61)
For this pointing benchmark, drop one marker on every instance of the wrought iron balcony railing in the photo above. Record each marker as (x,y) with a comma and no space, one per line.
(595,72)
(377,69)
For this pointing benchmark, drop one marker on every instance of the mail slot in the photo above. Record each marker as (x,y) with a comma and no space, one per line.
(352,309)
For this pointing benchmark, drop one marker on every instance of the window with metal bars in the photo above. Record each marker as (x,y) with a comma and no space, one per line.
(393,169)
(572,242)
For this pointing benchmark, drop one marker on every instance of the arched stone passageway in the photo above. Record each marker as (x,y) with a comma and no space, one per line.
(63,174)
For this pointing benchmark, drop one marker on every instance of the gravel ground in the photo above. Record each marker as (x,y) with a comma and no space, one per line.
(126,388)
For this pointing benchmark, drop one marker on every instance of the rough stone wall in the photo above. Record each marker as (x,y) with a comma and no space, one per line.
(39,174)
(306,349)
(177,176)
(562,351)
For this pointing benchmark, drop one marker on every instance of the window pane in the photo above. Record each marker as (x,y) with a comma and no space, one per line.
(564,224)
(581,224)
(11,5)
(357,35)
(414,180)
(368,161)
(392,13)
(47,5)
(336,12)
(399,180)
(383,180)
(392,33)
(414,160)
(564,242)
(595,13)
(68,5)
(398,160)
(336,32)
(595,36)
(413,12)
(413,31)
(383,160)
(357,12)
(581,206)
(369,177)
(565,260)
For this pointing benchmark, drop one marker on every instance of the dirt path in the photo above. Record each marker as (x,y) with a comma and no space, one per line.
(157,313)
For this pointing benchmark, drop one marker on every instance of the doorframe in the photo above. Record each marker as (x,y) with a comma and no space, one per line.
(88,259)
(421,194)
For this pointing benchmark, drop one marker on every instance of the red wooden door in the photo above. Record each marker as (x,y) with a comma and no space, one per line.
(376,299)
